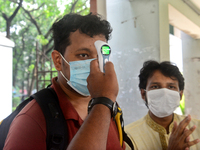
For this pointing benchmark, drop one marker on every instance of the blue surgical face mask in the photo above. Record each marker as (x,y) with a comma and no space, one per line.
(79,71)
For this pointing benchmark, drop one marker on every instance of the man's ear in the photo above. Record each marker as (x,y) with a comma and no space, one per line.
(55,55)
(181,94)
(143,94)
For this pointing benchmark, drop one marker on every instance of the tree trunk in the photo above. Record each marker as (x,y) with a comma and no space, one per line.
(8,23)
(34,74)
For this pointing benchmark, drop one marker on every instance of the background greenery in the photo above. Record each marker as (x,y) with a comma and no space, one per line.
(27,23)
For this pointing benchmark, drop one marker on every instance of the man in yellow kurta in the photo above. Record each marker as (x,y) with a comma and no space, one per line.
(161,86)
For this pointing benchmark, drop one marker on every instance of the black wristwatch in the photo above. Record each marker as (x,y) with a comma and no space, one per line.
(105,101)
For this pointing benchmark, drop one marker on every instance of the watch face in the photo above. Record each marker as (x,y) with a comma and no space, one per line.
(114,109)
(90,105)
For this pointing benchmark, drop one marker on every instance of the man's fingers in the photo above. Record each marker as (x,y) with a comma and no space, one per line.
(109,68)
(187,139)
(175,126)
(94,66)
(183,124)
(192,129)
(188,132)
(189,144)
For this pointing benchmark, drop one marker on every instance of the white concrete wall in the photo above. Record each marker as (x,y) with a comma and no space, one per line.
(5,76)
(135,38)
(140,33)
(191,72)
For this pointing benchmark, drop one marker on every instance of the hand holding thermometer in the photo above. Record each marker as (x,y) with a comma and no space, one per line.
(103,51)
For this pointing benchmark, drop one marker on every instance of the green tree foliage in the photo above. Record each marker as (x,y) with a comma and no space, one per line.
(28,23)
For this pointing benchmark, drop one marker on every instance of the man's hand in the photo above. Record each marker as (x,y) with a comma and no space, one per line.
(93,133)
(102,84)
(179,139)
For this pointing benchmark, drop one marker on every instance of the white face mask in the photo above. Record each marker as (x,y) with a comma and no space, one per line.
(163,102)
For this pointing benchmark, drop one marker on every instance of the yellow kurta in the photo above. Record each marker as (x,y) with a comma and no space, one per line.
(148,135)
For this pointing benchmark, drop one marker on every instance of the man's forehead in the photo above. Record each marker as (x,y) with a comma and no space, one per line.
(166,83)
(158,77)
(78,32)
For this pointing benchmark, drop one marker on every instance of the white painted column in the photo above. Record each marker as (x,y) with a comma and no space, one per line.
(101,8)
(191,72)
(135,39)
(6,58)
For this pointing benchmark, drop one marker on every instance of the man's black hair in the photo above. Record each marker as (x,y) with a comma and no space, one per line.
(89,24)
(167,68)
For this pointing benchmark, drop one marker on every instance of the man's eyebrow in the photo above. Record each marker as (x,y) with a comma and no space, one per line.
(155,83)
(171,83)
(83,49)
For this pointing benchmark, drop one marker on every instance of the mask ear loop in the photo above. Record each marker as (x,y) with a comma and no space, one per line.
(64,76)
(61,71)
(64,59)
(146,101)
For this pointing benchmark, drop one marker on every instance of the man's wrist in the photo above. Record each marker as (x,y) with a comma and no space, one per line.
(105,101)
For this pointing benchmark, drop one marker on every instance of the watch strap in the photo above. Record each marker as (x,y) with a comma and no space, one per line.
(101,100)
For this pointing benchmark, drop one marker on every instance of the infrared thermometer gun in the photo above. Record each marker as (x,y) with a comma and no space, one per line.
(103,51)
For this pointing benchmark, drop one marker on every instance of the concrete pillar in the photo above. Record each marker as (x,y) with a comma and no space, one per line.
(101,8)
(98,6)
(93,6)
(135,39)
(6,77)
(186,19)
(191,72)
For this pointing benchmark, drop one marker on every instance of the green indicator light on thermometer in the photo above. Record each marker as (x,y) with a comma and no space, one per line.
(105,50)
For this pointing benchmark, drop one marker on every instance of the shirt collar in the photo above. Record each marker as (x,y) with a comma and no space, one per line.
(158,128)
(67,108)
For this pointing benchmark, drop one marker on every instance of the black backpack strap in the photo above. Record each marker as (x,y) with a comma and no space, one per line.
(125,136)
(127,140)
(5,125)
(120,125)
(57,134)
